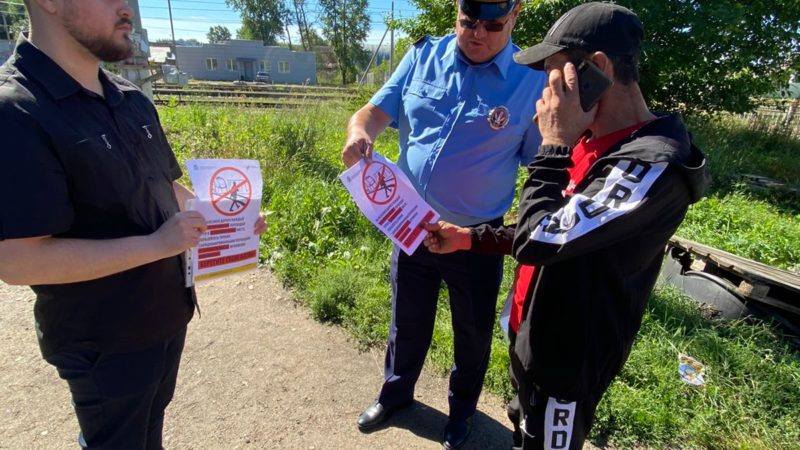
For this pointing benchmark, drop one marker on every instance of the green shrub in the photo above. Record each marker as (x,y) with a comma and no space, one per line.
(369,320)
(332,292)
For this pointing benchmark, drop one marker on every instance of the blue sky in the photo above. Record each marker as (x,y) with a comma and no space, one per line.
(192,18)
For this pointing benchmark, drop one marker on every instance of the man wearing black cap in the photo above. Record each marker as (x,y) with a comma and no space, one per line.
(463,110)
(609,186)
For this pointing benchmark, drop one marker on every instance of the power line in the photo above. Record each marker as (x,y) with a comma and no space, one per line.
(187,9)
(194,1)
(196,19)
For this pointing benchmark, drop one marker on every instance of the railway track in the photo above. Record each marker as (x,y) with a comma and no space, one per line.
(249,94)
(247,103)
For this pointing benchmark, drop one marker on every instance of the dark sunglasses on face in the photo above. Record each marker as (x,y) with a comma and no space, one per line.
(490,27)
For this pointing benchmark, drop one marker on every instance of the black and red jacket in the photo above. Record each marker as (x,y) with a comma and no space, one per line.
(597,253)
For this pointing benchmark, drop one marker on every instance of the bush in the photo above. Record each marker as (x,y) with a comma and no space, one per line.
(332,292)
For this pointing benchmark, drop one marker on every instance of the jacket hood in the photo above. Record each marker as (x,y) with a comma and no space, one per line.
(666,139)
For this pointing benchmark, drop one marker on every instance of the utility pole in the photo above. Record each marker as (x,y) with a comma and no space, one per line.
(391,43)
(377,49)
(172,28)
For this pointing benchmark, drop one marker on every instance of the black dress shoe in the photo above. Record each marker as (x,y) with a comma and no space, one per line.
(456,433)
(376,414)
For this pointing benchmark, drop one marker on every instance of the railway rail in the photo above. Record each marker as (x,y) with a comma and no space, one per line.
(248,95)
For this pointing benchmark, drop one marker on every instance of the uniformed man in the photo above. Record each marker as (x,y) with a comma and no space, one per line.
(91,220)
(463,110)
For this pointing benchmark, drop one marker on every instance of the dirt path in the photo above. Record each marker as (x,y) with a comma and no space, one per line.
(257,373)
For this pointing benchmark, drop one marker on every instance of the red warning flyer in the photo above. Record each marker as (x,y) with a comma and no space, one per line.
(229,197)
(388,199)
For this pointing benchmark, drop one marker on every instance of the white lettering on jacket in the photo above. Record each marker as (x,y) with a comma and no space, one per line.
(624,189)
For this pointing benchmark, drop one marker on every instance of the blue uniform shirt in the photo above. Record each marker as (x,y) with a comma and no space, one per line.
(440,103)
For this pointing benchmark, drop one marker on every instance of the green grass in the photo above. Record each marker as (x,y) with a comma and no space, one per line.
(750,399)
(735,148)
(746,226)
(761,226)
(338,265)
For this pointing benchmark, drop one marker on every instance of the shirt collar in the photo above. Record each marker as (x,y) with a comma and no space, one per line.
(44,70)
(57,82)
(112,90)
(502,61)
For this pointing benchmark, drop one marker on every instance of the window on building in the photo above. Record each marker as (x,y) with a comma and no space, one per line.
(264,66)
(233,65)
(283,66)
(211,63)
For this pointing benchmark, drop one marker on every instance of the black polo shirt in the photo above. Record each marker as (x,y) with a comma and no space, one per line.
(77,165)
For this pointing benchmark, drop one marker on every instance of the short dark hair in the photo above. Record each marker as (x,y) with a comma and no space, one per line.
(626,67)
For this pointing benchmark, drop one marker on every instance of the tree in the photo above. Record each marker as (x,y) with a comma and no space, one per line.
(706,55)
(218,33)
(313,38)
(345,24)
(13,20)
(261,19)
(436,18)
(302,24)
(286,18)
(309,37)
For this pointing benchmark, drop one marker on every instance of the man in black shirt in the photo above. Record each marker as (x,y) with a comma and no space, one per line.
(91,220)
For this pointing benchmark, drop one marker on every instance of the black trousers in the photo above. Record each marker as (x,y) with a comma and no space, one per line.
(120,398)
(473,282)
(542,422)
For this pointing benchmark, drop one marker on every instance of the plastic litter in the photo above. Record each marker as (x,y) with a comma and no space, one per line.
(692,371)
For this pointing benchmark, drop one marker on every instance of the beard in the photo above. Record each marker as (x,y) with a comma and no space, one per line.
(105,49)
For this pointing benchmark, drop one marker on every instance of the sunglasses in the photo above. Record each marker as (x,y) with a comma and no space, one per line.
(489,26)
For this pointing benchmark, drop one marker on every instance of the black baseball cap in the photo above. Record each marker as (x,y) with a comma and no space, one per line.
(595,26)
(486,9)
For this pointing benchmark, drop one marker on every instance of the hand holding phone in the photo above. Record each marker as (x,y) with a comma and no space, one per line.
(566,110)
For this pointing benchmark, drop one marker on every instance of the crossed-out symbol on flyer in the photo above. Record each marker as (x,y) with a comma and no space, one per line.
(230,191)
(379,183)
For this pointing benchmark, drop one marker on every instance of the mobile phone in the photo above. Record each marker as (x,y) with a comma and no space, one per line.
(592,82)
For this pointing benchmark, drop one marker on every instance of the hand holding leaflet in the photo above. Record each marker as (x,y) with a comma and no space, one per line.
(229,196)
(388,199)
